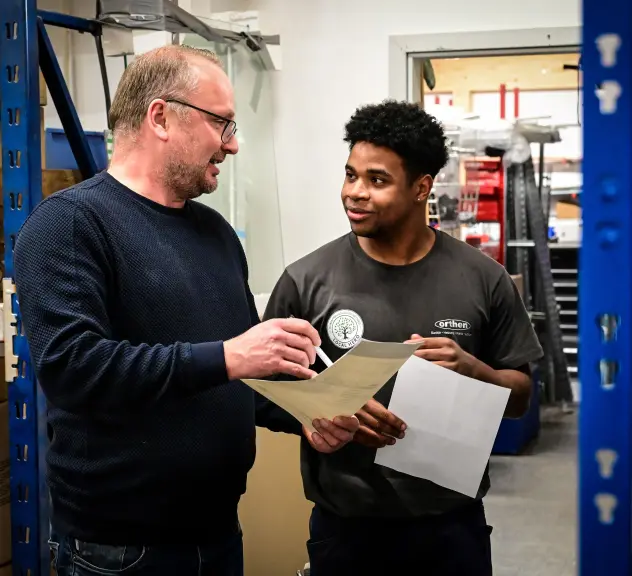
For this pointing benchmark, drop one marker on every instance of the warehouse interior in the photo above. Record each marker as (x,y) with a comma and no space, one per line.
(500,77)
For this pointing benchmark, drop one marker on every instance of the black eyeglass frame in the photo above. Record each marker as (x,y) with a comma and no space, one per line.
(229,122)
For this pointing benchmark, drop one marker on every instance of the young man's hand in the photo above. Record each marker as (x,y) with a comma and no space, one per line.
(378,426)
(331,435)
(444,352)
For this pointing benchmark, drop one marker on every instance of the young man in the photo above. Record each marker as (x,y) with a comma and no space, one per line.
(394,279)
(140,323)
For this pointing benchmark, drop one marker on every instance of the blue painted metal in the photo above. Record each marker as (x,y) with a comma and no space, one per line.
(22,189)
(21,33)
(63,103)
(70,22)
(44,494)
(515,434)
(605,313)
(59,155)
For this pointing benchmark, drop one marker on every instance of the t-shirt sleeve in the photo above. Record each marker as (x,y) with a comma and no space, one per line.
(512,341)
(284,302)
(254,313)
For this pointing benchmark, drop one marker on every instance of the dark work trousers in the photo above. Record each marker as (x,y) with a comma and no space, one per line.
(74,558)
(454,544)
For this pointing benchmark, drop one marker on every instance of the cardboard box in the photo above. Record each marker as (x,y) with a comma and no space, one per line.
(564,210)
(43,136)
(52,181)
(274,513)
(42,90)
(56,180)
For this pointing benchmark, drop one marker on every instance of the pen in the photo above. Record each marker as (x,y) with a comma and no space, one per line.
(323,356)
(319,352)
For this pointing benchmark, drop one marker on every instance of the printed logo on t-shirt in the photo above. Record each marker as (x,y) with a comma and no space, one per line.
(345,328)
(451,326)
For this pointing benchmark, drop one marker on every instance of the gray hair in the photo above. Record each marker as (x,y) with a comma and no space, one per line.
(164,72)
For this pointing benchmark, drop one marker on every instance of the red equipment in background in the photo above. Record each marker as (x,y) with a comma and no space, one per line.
(487,175)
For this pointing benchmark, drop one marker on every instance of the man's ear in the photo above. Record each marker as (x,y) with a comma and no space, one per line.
(423,186)
(157,118)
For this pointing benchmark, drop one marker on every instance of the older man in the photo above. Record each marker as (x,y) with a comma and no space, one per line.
(140,322)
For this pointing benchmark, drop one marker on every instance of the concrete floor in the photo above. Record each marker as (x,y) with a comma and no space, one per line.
(532,503)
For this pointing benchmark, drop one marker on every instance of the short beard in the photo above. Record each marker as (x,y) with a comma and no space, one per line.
(186,181)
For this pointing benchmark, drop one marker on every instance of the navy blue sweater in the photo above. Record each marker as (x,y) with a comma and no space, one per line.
(125,305)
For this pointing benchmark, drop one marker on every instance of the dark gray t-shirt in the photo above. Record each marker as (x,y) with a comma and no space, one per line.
(456,292)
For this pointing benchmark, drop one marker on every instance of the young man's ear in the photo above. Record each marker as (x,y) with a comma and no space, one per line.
(424,186)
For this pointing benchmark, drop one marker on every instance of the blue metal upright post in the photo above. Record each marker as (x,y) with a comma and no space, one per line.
(22,190)
(63,103)
(605,314)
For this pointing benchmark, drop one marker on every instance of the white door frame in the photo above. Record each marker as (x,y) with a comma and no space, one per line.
(402,76)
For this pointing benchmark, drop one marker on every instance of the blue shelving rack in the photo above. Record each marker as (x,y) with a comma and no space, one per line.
(25,48)
(22,189)
(605,315)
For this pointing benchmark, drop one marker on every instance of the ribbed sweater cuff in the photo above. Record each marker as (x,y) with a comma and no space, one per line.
(209,364)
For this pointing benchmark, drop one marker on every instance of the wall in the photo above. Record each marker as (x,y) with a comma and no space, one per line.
(88,92)
(251,174)
(87,89)
(335,57)
(233,5)
(77,57)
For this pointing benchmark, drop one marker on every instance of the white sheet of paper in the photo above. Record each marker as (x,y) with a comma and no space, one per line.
(343,388)
(452,424)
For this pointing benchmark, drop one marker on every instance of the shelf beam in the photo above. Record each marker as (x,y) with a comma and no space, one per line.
(605,315)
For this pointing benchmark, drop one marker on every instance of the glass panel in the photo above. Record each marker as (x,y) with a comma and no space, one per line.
(247,194)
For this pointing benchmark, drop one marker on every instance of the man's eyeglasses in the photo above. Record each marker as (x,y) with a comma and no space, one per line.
(230,126)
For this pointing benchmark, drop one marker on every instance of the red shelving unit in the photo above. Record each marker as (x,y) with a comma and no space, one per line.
(487,176)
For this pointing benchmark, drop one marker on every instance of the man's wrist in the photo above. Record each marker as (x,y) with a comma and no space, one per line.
(481,371)
(231,360)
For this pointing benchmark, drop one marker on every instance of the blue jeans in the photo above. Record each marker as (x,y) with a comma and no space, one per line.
(74,558)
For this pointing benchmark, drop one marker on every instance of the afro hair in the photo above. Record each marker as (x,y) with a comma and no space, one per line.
(414,135)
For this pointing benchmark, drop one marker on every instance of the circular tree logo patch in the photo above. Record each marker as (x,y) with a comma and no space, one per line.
(345,328)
